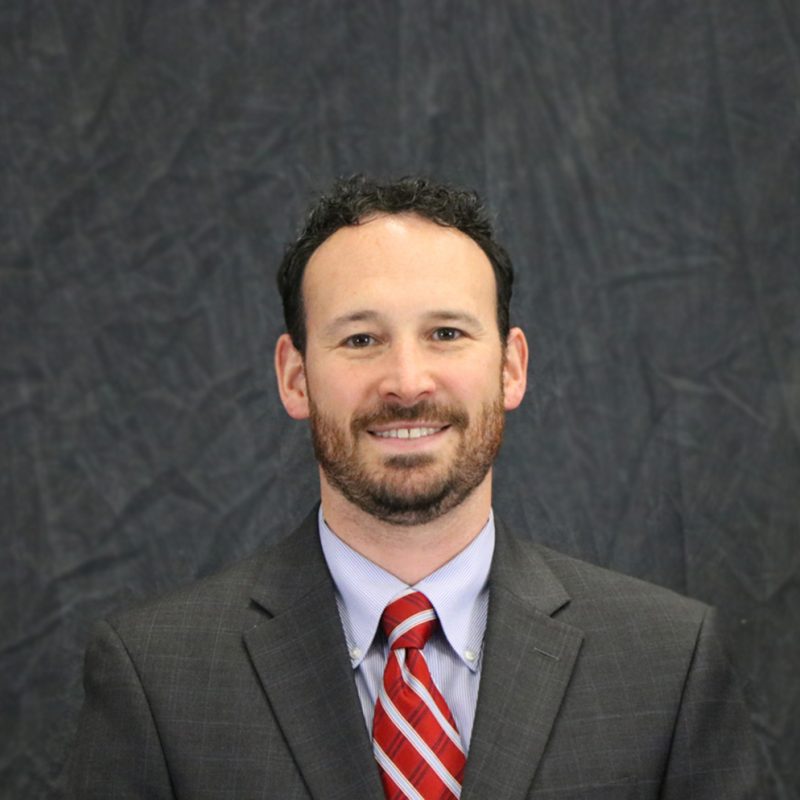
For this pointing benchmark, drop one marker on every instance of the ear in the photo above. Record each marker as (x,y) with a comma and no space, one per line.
(291,371)
(515,369)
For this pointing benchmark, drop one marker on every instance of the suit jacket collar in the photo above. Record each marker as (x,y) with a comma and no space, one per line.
(301,658)
(528,660)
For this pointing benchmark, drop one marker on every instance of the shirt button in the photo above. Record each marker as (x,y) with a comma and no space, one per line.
(469,655)
(355,653)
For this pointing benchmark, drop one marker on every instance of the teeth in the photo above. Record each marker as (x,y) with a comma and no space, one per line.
(406,433)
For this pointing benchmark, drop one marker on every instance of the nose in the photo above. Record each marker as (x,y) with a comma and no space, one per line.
(407,374)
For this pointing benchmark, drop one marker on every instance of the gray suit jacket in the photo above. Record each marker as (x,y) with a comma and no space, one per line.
(593,685)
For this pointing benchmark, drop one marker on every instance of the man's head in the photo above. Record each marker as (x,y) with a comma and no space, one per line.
(354,199)
(403,373)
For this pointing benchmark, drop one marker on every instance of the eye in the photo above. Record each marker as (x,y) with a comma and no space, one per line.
(446,334)
(359,340)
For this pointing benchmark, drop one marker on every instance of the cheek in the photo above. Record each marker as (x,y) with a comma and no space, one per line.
(475,383)
(337,390)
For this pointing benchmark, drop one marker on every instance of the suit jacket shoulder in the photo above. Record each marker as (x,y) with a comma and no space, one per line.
(221,599)
(598,685)
(598,594)
(237,685)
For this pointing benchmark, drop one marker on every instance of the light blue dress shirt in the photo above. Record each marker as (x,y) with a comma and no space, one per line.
(459,593)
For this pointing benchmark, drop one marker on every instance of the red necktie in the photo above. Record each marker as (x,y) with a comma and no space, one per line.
(414,735)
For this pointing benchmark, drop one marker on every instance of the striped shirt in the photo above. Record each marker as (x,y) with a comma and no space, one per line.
(458,591)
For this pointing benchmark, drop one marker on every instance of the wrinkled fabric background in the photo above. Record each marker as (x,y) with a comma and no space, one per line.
(642,159)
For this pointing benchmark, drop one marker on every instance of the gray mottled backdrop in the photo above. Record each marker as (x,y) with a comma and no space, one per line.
(642,158)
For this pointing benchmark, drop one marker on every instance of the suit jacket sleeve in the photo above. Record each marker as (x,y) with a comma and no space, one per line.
(118,752)
(712,754)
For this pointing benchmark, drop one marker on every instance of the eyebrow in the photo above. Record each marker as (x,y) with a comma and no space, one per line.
(463,317)
(440,315)
(346,319)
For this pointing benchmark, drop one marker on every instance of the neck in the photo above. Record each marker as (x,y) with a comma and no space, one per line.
(410,552)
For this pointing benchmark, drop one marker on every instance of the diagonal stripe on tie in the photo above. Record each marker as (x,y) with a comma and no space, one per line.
(415,739)
(419,744)
(412,622)
(419,689)
(398,785)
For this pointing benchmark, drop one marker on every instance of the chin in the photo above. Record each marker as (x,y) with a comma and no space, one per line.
(415,501)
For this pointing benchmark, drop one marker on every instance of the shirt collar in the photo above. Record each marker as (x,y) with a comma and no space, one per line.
(458,591)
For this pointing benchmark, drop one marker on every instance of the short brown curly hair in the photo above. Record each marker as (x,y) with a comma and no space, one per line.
(352,199)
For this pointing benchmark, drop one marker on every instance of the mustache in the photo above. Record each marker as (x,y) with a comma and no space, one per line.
(424,411)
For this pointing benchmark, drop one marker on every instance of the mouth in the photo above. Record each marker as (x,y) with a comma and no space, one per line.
(407,432)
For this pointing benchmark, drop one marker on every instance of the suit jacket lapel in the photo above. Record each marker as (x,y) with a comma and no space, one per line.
(300,655)
(528,659)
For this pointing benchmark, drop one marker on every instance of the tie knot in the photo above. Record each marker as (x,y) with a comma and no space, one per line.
(408,621)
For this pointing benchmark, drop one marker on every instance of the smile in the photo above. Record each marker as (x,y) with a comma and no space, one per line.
(406,433)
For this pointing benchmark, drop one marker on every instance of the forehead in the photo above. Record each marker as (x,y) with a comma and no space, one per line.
(397,262)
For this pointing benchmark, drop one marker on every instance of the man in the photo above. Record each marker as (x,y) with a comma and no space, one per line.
(403,642)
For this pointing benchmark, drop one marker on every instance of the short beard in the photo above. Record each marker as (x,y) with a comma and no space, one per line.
(395,496)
